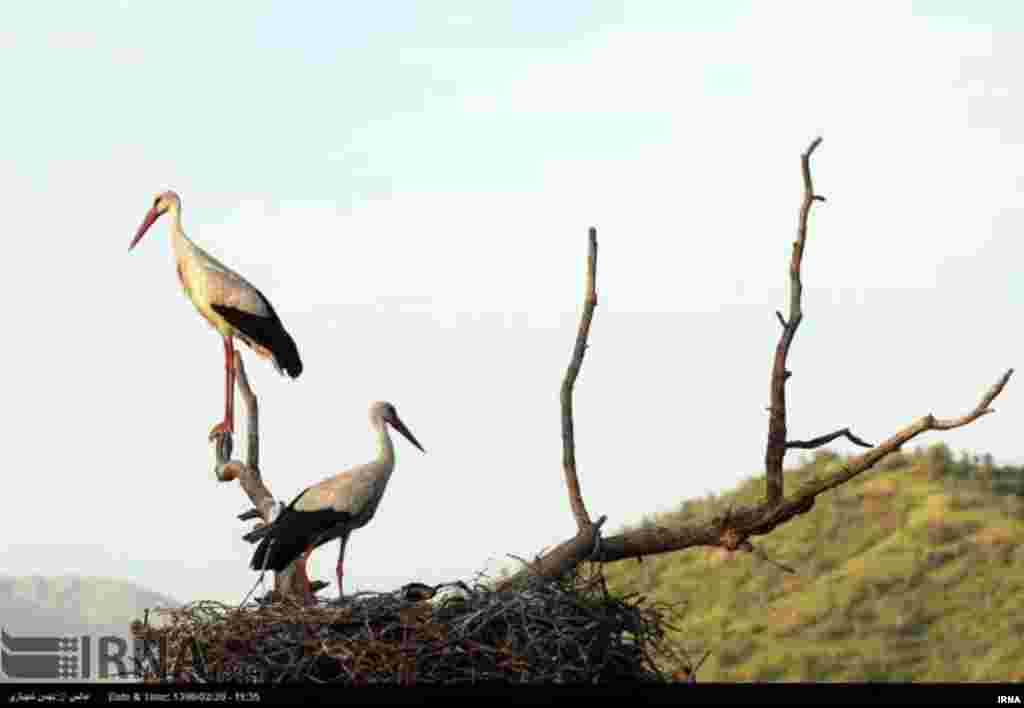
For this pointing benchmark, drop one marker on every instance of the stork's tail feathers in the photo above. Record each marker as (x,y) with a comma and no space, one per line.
(266,334)
(276,552)
(260,561)
(257,534)
(286,354)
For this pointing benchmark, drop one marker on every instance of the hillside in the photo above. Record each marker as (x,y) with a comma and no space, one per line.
(911,572)
(73,605)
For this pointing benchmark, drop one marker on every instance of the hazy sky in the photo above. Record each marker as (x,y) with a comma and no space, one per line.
(411,185)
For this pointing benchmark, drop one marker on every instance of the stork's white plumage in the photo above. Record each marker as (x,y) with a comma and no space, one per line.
(228,302)
(332,508)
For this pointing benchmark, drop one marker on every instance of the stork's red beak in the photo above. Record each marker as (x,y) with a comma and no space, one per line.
(151,216)
(400,427)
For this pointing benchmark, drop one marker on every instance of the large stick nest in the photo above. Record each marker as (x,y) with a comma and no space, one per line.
(566,631)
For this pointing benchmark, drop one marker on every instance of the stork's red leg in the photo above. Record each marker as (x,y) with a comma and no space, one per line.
(229,389)
(305,575)
(341,561)
(227,426)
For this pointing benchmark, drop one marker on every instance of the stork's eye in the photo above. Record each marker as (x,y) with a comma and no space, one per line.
(156,201)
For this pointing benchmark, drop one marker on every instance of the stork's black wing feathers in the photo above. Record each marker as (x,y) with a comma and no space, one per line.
(268,332)
(258,533)
(251,514)
(292,534)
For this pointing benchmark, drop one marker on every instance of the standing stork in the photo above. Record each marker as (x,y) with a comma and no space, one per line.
(332,508)
(230,303)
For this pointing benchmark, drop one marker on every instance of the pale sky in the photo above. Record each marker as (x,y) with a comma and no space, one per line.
(411,185)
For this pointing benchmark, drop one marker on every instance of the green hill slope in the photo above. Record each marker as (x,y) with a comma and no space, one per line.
(912,572)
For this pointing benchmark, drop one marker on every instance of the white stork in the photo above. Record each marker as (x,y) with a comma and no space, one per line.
(232,305)
(332,508)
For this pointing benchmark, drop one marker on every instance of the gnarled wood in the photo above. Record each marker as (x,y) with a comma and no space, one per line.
(292,582)
(733,529)
(572,481)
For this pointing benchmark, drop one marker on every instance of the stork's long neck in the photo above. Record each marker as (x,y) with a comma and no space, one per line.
(178,237)
(385,448)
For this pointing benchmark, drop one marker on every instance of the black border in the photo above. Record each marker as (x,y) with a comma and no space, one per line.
(70,693)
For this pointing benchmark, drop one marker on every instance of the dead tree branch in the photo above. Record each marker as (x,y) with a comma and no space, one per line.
(744,522)
(733,529)
(582,546)
(247,473)
(292,582)
(776,447)
(572,481)
(825,440)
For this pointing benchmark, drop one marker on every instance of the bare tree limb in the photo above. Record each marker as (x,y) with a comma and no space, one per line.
(247,473)
(563,557)
(293,580)
(826,439)
(775,451)
(733,529)
(572,481)
(571,553)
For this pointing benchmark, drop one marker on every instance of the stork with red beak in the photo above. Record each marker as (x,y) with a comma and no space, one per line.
(331,509)
(228,302)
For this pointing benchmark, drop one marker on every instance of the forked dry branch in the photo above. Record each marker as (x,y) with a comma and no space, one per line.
(293,581)
(734,529)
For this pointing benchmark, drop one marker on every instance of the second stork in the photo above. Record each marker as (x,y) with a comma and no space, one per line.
(332,508)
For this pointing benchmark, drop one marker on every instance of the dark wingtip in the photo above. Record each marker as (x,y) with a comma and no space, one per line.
(267,332)
(256,535)
(257,561)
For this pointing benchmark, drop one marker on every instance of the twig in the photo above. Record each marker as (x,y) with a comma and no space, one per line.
(596,553)
(929,422)
(759,552)
(826,439)
(693,673)
(745,522)
(776,447)
(581,547)
(568,439)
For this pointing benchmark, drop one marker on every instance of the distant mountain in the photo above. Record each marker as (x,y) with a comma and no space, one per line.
(74,606)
